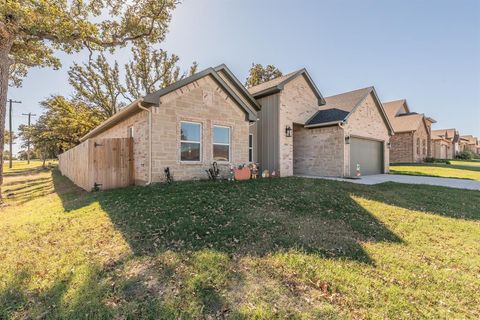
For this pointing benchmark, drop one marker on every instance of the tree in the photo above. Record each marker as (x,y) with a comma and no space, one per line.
(7,137)
(30,32)
(61,126)
(259,74)
(97,83)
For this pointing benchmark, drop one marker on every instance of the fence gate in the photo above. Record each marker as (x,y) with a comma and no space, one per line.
(102,163)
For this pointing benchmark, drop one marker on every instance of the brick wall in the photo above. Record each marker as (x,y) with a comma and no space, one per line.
(318,151)
(298,103)
(367,122)
(420,136)
(401,147)
(204,102)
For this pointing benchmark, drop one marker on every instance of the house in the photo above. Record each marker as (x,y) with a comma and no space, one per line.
(445,143)
(301,132)
(186,126)
(470,143)
(285,124)
(411,142)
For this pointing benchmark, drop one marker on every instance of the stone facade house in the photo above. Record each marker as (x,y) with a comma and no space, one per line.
(186,126)
(445,143)
(285,125)
(300,132)
(411,142)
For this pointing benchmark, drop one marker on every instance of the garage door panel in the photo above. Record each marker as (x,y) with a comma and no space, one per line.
(366,153)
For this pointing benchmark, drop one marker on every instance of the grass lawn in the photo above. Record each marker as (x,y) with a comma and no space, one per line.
(282,248)
(456,169)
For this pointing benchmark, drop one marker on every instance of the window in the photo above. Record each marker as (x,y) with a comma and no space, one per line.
(190,141)
(250,147)
(221,143)
(130,132)
(424,147)
(418,146)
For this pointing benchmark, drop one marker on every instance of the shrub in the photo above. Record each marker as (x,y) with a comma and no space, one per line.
(466,155)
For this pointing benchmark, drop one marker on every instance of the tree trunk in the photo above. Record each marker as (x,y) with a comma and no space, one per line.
(6,42)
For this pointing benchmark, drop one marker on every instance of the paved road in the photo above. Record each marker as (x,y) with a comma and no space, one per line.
(380,178)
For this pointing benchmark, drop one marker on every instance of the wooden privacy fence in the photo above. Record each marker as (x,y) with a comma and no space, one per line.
(101,163)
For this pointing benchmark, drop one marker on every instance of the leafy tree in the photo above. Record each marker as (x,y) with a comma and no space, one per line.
(31,31)
(61,126)
(7,137)
(97,83)
(259,74)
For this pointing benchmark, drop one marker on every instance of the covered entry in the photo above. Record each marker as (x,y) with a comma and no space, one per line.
(366,153)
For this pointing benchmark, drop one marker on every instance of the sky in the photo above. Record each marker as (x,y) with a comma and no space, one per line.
(427,52)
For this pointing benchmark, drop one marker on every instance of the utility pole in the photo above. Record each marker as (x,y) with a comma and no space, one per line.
(10,101)
(28,141)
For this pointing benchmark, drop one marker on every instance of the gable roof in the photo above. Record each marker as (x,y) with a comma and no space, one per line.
(392,107)
(407,122)
(277,85)
(469,139)
(153,99)
(449,134)
(338,108)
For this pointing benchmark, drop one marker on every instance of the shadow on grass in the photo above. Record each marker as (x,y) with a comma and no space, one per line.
(210,227)
(447,202)
(249,218)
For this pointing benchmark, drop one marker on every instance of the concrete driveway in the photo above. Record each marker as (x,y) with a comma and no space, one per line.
(380,178)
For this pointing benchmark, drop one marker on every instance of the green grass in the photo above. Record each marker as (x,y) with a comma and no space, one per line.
(456,169)
(283,248)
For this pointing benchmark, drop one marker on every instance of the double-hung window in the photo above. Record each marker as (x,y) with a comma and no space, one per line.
(190,141)
(221,143)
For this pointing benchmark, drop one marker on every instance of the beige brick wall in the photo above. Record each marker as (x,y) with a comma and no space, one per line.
(367,122)
(318,151)
(401,147)
(419,136)
(202,101)
(139,122)
(298,103)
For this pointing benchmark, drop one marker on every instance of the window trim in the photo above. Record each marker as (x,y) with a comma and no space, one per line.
(250,147)
(190,141)
(130,132)
(229,144)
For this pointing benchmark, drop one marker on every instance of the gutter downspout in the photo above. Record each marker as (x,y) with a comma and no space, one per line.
(149,110)
(340,125)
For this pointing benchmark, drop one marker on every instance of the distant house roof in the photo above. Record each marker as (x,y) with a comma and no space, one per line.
(449,134)
(404,120)
(277,85)
(469,139)
(153,99)
(392,107)
(339,107)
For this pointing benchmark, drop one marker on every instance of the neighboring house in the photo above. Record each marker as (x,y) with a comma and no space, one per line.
(186,126)
(470,143)
(445,143)
(300,132)
(411,142)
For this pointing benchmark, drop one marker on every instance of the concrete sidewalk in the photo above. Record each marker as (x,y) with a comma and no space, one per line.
(434,181)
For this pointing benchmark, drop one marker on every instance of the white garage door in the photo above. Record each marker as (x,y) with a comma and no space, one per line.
(366,153)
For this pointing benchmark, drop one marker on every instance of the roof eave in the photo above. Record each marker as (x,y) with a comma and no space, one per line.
(325,124)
